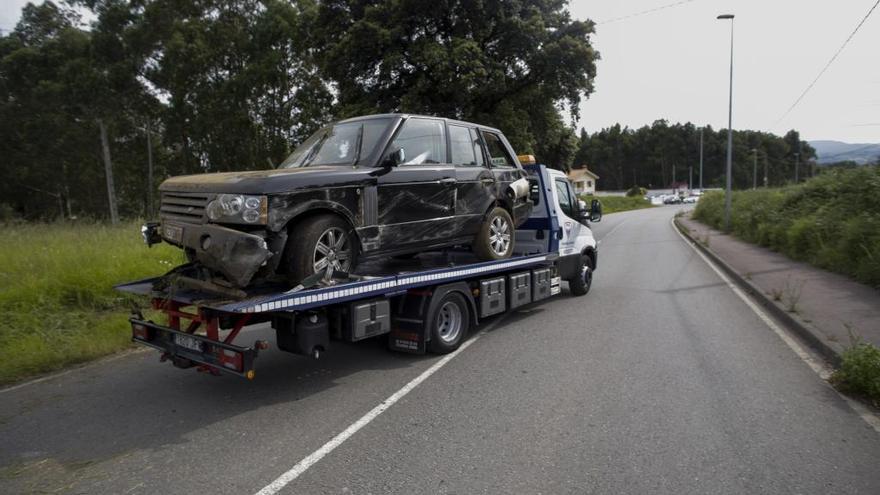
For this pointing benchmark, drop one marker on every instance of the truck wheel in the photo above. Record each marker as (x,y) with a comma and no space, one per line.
(495,239)
(449,323)
(580,284)
(318,243)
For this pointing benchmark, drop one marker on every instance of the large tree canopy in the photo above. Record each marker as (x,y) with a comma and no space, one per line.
(511,64)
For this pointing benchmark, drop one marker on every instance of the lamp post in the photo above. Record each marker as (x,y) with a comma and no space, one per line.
(727,192)
(701,160)
(755,169)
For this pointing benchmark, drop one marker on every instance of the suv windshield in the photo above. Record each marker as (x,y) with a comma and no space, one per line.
(338,144)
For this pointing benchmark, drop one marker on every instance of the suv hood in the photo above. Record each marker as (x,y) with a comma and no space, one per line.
(269,181)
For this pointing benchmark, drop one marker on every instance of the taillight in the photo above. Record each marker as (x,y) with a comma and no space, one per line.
(140,332)
(230,359)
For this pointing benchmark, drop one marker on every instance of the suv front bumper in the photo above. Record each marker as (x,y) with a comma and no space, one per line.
(237,255)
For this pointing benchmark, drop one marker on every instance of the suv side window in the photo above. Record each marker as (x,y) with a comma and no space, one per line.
(422,140)
(498,155)
(566,202)
(462,146)
(478,148)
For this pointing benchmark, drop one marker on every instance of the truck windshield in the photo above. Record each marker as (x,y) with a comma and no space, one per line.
(338,144)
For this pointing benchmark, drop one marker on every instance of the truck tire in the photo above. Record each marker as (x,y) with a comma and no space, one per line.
(580,284)
(495,239)
(449,322)
(318,242)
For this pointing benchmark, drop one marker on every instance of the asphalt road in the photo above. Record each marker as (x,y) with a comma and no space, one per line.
(661,380)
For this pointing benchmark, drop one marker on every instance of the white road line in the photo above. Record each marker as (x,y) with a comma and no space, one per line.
(817,365)
(314,457)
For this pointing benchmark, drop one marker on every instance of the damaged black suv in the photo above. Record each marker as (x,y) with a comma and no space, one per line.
(362,188)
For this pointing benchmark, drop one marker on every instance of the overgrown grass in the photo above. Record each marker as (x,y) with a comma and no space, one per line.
(57,305)
(859,371)
(614,204)
(831,221)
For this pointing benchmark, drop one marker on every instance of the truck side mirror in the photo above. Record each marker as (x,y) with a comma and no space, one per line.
(395,158)
(595,211)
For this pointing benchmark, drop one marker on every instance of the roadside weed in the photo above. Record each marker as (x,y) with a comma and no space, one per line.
(859,371)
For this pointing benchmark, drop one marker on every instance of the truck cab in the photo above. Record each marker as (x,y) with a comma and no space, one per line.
(560,222)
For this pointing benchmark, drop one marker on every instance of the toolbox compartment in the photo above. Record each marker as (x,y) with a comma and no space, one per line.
(492,296)
(519,286)
(540,284)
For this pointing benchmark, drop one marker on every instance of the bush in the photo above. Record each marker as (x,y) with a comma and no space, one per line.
(859,371)
(831,221)
(636,191)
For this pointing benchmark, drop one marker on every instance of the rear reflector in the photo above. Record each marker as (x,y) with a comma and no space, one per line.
(230,359)
(140,332)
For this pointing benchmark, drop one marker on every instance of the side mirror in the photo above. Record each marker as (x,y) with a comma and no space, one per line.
(396,157)
(595,211)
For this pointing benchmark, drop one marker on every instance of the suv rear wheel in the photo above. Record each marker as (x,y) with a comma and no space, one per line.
(320,243)
(495,239)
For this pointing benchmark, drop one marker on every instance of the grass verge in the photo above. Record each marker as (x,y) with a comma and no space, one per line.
(859,372)
(57,305)
(831,221)
(614,204)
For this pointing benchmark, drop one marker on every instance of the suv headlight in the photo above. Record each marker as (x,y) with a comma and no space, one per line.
(236,208)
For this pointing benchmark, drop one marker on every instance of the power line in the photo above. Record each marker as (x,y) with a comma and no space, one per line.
(801,97)
(649,11)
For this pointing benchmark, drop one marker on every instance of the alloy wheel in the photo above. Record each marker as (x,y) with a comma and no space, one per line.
(499,236)
(333,250)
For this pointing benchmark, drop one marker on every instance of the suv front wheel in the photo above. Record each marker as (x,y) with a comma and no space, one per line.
(320,243)
(495,239)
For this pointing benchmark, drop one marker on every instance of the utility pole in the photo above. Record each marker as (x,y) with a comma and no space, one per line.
(766,182)
(149,173)
(690,178)
(108,172)
(755,169)
(701,159)
(728,193)
(797,164)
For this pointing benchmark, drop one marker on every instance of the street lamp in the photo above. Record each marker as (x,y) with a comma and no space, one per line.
(727,192)
(755,169)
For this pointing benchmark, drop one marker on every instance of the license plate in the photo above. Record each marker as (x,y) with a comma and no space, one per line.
(188,342)
(173,232)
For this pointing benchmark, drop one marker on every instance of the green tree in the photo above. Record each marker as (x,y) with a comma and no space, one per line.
(510,64)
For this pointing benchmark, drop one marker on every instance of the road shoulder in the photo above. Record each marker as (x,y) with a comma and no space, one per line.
(823,308)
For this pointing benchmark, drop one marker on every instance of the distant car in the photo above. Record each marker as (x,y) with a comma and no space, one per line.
(691,199)
(672,199)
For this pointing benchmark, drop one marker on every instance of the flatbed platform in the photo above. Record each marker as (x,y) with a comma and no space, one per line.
(378,280)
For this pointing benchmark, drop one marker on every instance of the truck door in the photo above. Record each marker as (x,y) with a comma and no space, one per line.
(569,226)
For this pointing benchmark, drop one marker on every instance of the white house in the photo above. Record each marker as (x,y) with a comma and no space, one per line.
(583,180)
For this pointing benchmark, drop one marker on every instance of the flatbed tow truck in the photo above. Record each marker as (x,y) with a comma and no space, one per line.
(428,303)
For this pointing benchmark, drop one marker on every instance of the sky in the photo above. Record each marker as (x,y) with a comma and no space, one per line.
(674,63)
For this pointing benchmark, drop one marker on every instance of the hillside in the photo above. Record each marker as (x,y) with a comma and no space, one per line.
(838,151)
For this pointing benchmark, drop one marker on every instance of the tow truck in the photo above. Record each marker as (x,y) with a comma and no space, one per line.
(428,303)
